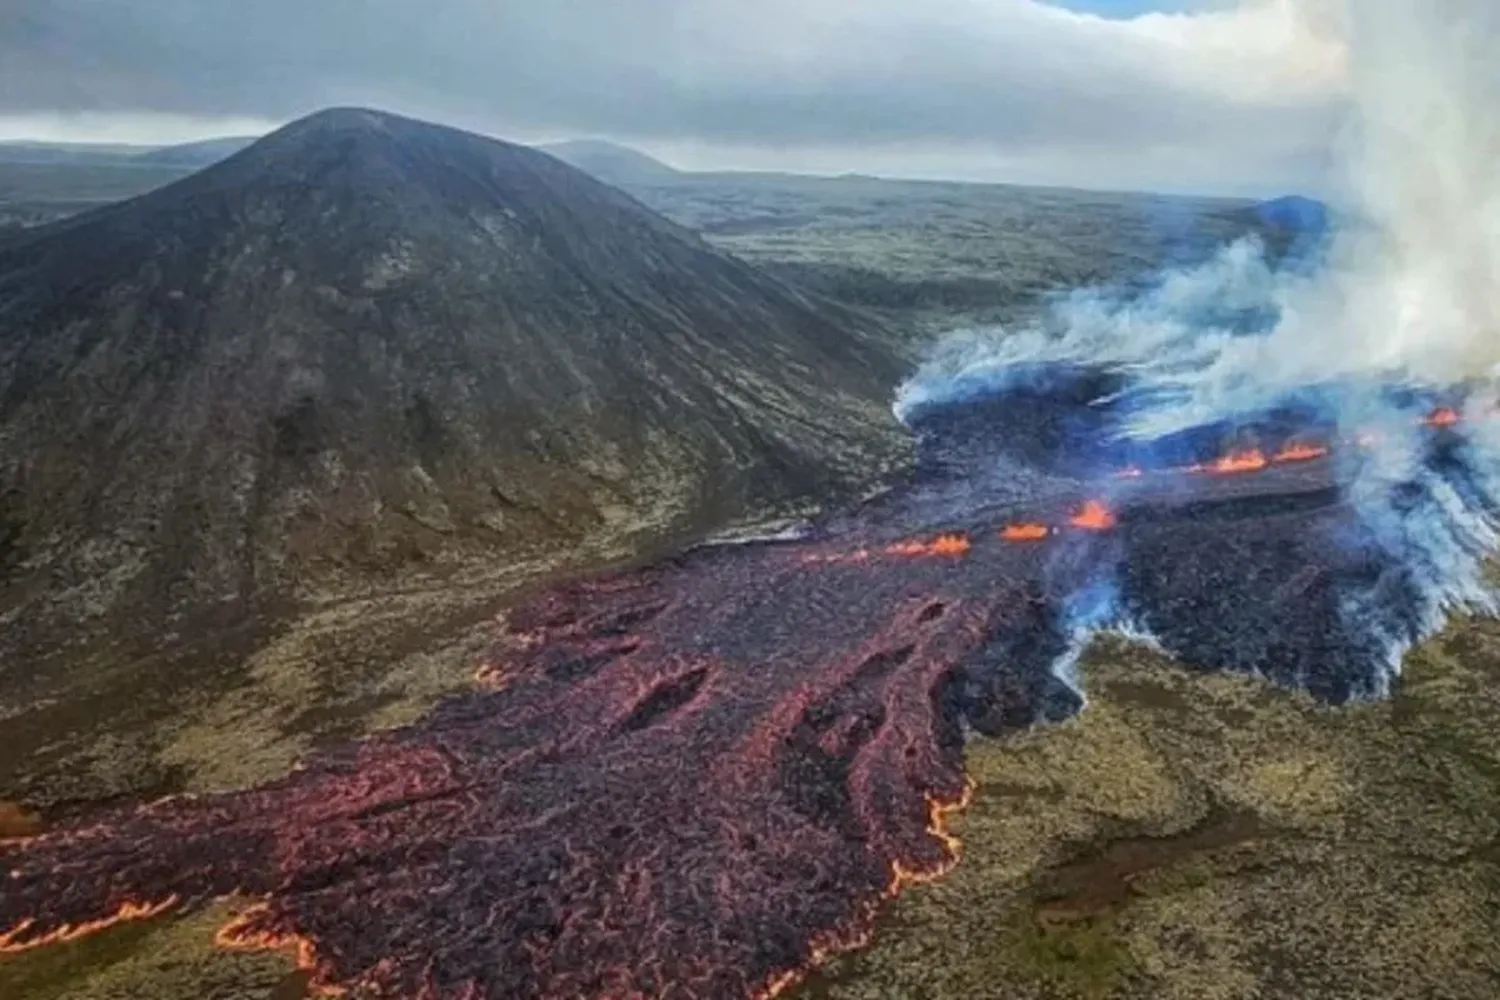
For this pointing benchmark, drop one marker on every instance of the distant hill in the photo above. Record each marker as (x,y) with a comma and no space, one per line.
(188,155)
(366,347)
(611,163)
(36,193)
(87,153)
(195,154)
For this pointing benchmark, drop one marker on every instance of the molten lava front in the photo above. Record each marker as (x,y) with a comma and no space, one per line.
(680,783)
(1251,460)
(697,780)
(944,545)
(1095,516)
(1301,453)
(1443,416)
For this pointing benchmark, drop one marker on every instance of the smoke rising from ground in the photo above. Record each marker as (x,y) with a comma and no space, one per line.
(1404,295)
(1408,289)
(1421,283)
(1411,284)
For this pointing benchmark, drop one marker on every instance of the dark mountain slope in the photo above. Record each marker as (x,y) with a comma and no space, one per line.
(366,346)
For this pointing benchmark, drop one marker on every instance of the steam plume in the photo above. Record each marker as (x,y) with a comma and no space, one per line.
(1405,295)
(1411,287)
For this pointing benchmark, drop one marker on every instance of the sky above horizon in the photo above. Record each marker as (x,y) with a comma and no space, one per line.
(1232,96)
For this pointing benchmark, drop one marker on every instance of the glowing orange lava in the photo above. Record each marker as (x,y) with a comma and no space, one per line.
(1025,532)
(15,941)
(860,932)
(943,545)
(240,934)
(1094,517)
(1299,453)
(1234,463)
(1443,416)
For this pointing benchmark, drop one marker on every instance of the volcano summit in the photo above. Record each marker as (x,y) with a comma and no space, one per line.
(367,346)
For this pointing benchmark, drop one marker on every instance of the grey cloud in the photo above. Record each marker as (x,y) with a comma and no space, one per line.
(824,72)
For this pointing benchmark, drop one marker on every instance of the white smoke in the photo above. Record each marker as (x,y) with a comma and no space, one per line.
(1411,286)
(1411,289)
(1171,337)
(1408,293)
(1090,614)
(1419,287)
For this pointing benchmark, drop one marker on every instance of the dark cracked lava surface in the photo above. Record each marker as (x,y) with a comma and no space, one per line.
(693,780)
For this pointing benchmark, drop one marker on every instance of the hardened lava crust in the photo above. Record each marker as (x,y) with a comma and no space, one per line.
(697,779)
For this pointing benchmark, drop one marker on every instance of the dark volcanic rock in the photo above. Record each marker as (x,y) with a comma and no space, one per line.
(366,344)
(689,781)
(697,779)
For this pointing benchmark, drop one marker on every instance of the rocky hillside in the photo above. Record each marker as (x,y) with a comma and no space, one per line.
(367,349)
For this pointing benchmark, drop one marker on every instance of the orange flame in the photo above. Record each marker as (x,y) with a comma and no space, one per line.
(943,545)
(1443,416)
(1300,453)
(1024,532)
(1094,517)
(237,935)
(11,942)
(1250,460)
(857,933)
(951,545)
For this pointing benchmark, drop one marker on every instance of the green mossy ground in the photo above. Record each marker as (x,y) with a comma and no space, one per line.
(1200,837)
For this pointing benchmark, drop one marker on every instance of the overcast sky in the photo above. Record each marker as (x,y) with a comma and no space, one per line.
(1171,95)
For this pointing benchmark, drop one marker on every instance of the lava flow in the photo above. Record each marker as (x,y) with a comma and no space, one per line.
(1300,453)
(1443,416)
(27,935)
(943,545)
(946,546)
(1249,460)
(699,779)
(1094,516)
(682,783)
